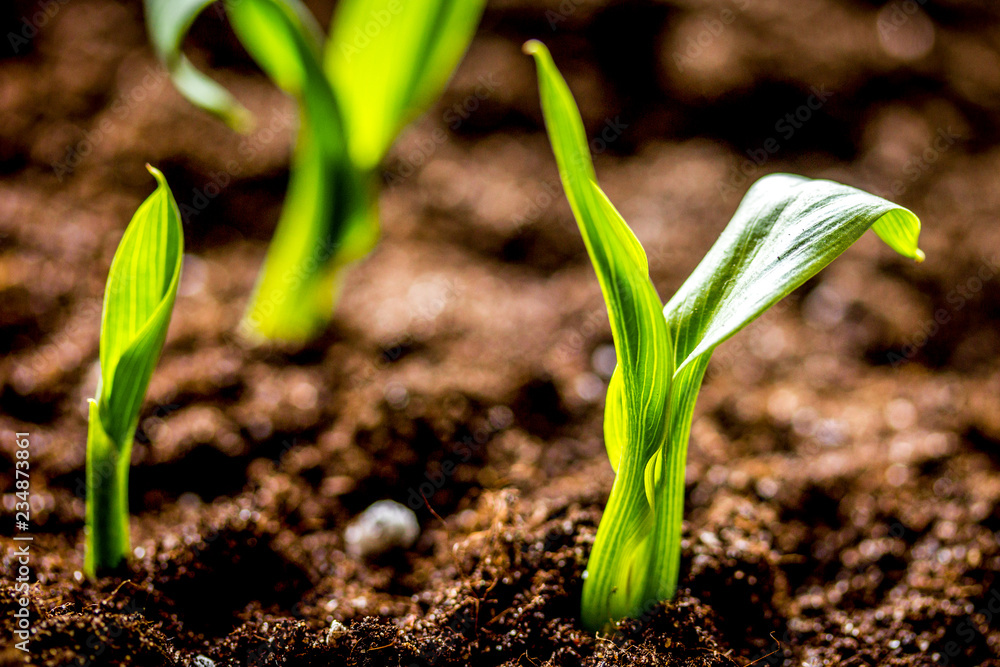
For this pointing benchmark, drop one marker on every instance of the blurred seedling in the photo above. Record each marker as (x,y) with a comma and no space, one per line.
(384,62)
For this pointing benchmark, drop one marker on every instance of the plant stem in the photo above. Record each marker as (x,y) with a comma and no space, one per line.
(646,550)
(604,598)
(327,222)
(670,494)
(107,499)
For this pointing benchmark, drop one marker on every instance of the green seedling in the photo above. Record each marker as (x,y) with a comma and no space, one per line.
(384,62)
(138,302)
(785,230)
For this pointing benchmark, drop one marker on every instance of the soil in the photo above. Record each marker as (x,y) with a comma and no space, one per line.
(844,474)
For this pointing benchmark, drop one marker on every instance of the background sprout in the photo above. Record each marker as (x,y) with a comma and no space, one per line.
(785,230)
(138,301)
(384,62)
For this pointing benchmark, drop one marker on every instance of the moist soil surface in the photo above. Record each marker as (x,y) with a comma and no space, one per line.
(844,475)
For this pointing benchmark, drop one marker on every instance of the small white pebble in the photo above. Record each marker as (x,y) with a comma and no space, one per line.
(766,487)
(603,360)
(335,632)
(397,396)
(202,661)
(385,525)
(194,275)
(709,539)
(588,386)
(900,414)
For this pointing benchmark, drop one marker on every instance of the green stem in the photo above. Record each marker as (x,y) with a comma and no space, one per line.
(670,492)
(326,223)
(635,561)
(107,499)
(615,567)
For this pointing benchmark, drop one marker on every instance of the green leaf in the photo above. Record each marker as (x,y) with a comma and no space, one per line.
(138,301)
(168,21)
(635,421)
(390,59)
(786,230)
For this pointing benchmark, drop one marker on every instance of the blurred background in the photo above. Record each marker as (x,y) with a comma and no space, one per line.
(868,399)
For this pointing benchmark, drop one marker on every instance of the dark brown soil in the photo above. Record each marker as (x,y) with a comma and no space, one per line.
(844,472)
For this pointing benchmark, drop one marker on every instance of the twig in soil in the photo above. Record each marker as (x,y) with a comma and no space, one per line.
(369,650)
(489,588)
(115,592)
(466,579)
(529,658)
(447,534)
(379,648)
(764,657)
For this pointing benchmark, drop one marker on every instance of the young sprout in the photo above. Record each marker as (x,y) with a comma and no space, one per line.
(138,302)
(384,62)
(786,229)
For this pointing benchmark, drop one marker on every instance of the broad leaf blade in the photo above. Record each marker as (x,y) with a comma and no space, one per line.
(390,59)
(138,301)
(786,229)
(635,420)
(167,22)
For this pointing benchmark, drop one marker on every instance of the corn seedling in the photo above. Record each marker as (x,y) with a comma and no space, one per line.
(138,301)
(785,230)
(385,61)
